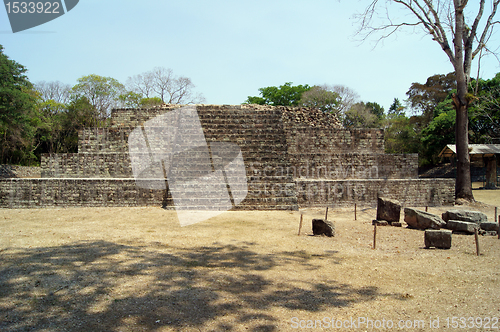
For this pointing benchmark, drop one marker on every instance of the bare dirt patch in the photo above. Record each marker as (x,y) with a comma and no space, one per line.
(136,269)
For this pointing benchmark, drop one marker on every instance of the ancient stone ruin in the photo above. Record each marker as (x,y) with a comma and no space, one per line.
(293,157)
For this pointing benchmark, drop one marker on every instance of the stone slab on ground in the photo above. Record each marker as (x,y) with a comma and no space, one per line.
(438,238)
(388,209)
(462,226)
(487,233)
(380,223)
(423,220)
(489,226)
(465,215)
(322,227)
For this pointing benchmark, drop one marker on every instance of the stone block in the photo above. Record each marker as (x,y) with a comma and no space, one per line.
(388,209)
(440,239)
(322,227)
(489,226)
(487,233)
(422,220)
(465,215)
(380,223)
(462,226)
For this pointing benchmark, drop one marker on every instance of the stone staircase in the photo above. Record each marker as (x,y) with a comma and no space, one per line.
(103,153)
(250,157)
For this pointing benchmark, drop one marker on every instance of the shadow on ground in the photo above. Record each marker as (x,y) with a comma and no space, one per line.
(103,286)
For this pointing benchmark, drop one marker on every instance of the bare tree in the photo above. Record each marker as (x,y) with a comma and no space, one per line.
(181,92)
(348,97)
(56,91)
(161,82)
(141,84)
(460,37)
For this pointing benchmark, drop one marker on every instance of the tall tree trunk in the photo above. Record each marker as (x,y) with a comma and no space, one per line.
(463,185)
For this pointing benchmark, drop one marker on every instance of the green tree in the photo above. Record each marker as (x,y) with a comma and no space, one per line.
(376,110)
(151,102)
(423,98)
(360,115)
(78,116)
(485,111)
(130,99)
(18,112)
(284,95)
(401,135)
(396,109)
(322,97)
(103,93)
(439,132)
(462,29)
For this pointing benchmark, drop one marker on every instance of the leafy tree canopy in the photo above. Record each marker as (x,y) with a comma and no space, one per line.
(322,97)
(103,93)
(361,115)
(18,113)
(284,95)
(396,109)
(484,112)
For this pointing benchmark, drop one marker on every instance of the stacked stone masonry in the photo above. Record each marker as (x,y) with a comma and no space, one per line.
(293,157)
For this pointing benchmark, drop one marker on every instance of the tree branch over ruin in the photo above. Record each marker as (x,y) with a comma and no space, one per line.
(445,21)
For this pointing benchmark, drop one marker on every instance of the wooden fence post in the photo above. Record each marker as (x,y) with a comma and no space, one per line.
(477,241)
(300,224)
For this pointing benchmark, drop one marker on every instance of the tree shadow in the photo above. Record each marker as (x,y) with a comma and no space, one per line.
(104,286)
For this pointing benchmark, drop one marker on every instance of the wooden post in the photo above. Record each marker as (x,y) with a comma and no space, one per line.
(326,214)
(496,212)
(375,236)
(477,241)
(300,224)
(426,208)
(355,211)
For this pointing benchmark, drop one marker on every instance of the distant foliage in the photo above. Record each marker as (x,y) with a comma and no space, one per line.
(284,95)
(361,115)
(322,97)
(19,118)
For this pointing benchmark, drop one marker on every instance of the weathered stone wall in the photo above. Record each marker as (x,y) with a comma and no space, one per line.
(86,165)
(103,140)
(354,166)
(334,141)
(291,116)
(33,193)
(64,192)
(410,192)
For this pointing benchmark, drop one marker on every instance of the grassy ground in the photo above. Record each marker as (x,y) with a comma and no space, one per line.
(491,197)
(136,269)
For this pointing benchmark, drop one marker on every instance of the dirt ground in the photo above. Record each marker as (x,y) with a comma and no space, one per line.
(136,269)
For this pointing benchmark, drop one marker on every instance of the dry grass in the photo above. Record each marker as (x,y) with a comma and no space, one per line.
(136,269)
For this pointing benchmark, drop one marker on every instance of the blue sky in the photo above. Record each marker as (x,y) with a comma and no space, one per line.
(228,48)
